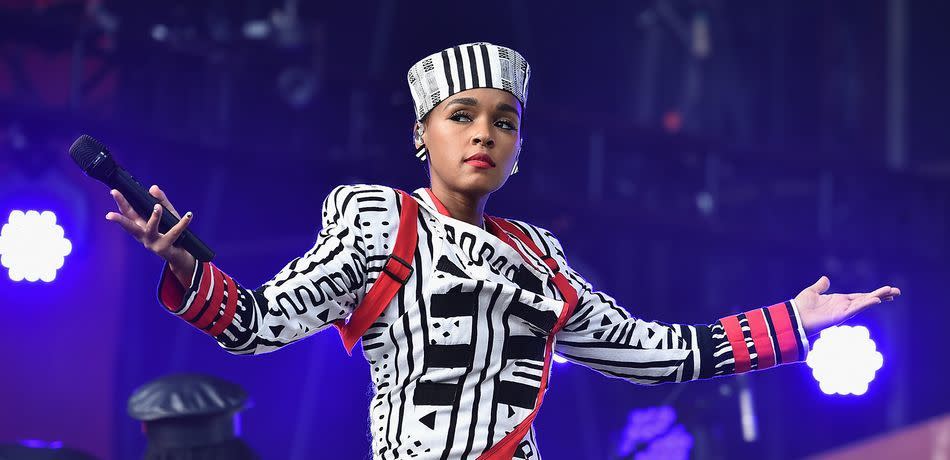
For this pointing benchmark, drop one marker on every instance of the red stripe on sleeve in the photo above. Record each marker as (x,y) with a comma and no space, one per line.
(739,349)
(761,339)
(214,305)
(201,294)
(787,342)
(229,309)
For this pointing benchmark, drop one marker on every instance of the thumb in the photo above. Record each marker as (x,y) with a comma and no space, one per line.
(821,285)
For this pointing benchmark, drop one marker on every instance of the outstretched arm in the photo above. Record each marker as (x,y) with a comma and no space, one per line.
(605,337)
(310,293)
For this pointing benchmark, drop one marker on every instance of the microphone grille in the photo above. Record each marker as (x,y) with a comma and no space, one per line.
(85,149)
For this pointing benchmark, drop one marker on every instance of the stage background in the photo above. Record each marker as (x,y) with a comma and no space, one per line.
(695,158)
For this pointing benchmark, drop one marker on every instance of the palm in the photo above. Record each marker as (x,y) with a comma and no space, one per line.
(819,310)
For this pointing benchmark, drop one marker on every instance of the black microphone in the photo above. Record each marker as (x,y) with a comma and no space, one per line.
(95,159)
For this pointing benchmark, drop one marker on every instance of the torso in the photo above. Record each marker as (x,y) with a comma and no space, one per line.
(458,356)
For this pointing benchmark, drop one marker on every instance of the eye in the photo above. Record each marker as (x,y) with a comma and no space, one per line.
(460,117)
(464,117)
(505,124)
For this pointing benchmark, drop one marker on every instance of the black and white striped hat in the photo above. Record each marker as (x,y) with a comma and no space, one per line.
(472,65)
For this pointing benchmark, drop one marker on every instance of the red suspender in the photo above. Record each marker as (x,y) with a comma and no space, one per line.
(504,449)
(398,269)
(560,281)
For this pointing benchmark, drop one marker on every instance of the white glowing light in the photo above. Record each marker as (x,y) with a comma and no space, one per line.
(32,246)
(844,360)
(559,359)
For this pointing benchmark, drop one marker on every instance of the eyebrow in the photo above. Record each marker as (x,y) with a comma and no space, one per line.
(472,102)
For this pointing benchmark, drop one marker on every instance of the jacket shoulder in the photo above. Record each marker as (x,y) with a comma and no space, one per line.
(544,239)
(364,200)
(348,191)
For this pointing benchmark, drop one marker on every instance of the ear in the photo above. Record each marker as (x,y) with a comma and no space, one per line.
(418,130)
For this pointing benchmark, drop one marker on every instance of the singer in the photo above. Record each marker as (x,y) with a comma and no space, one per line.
(459,332)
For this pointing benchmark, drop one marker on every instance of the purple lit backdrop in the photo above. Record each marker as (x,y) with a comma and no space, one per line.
(779,174)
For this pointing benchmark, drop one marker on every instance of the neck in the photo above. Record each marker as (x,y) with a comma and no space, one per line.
(461,206)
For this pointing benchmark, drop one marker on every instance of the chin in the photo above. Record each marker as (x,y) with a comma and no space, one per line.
(481,185)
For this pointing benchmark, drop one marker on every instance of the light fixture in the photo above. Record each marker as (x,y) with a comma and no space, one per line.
(844,360)
(32,246)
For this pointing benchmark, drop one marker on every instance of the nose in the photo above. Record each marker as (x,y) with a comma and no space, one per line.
(484,140)
(483,137)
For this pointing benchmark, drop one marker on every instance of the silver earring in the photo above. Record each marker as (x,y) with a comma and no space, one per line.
(514,170)
(421,152)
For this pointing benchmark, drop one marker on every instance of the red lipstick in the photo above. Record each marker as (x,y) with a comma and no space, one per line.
(481,161)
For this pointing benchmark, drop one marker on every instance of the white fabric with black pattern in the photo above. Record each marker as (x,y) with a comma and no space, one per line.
(472,65)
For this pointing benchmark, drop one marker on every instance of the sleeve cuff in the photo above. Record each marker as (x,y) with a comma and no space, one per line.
(209,303)
(766,337)
(806,346)
(172,294)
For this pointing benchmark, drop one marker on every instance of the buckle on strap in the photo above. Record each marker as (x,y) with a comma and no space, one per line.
(402,262)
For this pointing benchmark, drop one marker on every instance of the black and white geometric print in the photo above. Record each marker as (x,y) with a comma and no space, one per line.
(474,65)
(461,354)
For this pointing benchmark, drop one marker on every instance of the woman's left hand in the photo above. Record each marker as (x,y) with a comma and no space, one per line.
(819,310)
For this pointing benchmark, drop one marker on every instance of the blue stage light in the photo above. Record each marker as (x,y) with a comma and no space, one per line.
(674,444)
(40,444)
(652,433)
(844,360)
(32,246)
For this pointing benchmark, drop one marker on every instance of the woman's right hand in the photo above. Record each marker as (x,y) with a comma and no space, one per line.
(181,262)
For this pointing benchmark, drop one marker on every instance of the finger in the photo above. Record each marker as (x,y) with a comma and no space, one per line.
(159,194)
(894,292)
(125,223)
(862,303)
(891,295)
(821,285)
(126,208)
(172,234)
(151,227)
(881,292)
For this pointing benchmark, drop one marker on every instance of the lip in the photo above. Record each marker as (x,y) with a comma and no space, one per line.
(480,160)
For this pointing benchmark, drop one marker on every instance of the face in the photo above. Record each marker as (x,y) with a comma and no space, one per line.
(473,139)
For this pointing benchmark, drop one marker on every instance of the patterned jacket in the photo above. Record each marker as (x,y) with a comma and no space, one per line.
(459,356)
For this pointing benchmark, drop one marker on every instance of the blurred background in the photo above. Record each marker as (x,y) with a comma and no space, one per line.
(724,153)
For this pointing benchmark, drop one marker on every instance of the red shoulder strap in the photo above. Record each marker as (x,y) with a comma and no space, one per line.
(505,448)
(560,281)
(398,270)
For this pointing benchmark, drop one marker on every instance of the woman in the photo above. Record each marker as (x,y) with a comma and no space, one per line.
(460,355)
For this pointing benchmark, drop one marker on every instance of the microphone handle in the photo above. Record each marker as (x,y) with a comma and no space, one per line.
(143,203)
